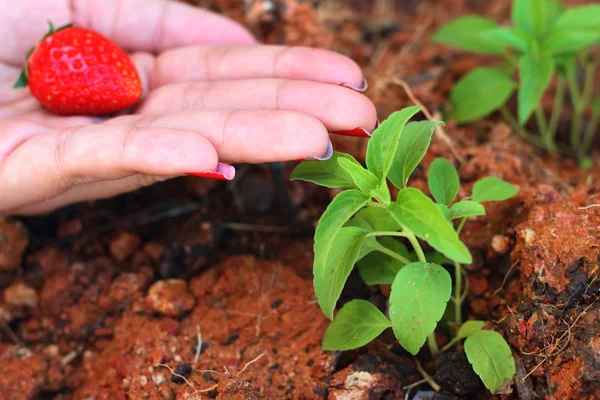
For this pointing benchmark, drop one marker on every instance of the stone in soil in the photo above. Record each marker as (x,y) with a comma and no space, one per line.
(170,297)
(20,295)
(124,245)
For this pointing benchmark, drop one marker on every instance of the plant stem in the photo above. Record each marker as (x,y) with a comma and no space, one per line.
(590,133)
(416,246)
(559,100)
(391,253)
(449,344)
(457,295)
(512,121)
(465,292)
(387,233)
(543,129)
(432,344)
(581,103)
(460,225)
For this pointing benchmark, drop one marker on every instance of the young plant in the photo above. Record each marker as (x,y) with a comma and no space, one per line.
(546,41)
(363,226)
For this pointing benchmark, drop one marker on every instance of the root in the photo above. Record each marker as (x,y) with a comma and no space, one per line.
(587,207)
(250,363)
(505,278)
(428,378)
(179,376)
(199,345)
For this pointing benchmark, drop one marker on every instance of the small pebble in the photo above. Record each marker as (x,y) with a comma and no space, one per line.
(124,245)
(170,297)
(13,242)
(21,295)
(500,244)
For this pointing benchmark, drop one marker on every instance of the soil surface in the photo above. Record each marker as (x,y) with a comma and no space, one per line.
(193,289)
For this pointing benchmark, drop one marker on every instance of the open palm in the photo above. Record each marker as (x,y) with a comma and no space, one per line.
(212,97)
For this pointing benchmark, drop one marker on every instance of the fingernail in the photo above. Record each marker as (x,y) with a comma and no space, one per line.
(224,172)
(324,157)
(358,132)
(361,89)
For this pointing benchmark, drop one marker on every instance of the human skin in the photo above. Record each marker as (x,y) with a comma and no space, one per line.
(213,96)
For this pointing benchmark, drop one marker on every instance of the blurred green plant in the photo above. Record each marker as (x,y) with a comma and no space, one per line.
(547,41)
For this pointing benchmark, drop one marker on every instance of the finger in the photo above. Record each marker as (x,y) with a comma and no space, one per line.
(47,165)
(337,108)
(24,24)
(157,25)
(252,136)
(213,63)
(90,191)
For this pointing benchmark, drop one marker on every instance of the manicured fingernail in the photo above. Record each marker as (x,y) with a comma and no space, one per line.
(363,88)
(324,157)
(358,132)
(224,172)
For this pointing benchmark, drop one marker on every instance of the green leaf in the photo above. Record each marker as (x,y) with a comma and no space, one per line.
(419,215)
(583,18)
(357,323)
(443,181)
(561,42)
(382,192)
(469,327)
(534,17)
(466,208)
(535,73)
(382,145)
(444,209)
(479,93)
(327,173)
(363,179)
(508,37)
(22,81)
(412,147)
(596,104)
(418,299)
(369,243)
(491,358)
(339,211)
(379,218)
(493,189)
(437,258)
(465,33)
(380,269)
(341,258)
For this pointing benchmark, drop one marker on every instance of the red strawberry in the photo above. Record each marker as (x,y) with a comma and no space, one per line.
(75,71)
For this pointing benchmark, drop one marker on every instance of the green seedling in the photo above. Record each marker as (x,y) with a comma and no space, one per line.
(364,227)
(546,42)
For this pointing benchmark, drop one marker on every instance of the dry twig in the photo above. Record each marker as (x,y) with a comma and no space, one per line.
(439,130)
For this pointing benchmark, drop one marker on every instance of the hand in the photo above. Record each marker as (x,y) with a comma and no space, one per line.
(212,97)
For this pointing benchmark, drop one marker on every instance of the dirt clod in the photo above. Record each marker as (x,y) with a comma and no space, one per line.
(455,374)
(124,245)
(21,295)
(13,242)
(170,297)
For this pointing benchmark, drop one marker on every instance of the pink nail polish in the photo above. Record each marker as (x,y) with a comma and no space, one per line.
(326,156)
(361,89)
(224,172)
